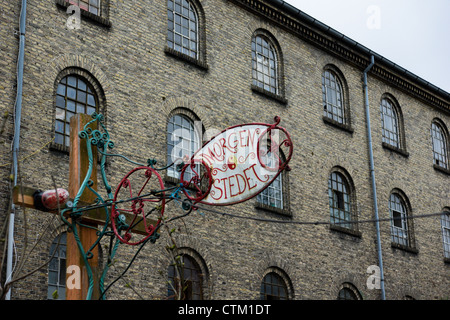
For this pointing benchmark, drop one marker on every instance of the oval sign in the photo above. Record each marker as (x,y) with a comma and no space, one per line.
(244,160)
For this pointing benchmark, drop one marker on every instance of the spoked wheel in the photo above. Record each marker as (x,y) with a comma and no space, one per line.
(196,179)
(138,205)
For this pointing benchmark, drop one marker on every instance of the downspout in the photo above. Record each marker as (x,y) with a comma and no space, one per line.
(16,141)
(372,173)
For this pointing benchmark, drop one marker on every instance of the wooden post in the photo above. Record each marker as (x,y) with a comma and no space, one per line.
(78,168)
(79,165)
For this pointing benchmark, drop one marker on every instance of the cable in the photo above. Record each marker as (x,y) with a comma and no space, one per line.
(316,222)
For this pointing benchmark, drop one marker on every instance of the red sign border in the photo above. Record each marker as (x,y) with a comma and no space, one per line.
(283,166)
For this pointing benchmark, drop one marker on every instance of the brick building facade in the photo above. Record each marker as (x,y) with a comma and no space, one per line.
(219,63)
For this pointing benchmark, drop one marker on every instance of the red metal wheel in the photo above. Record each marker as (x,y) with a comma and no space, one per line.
(138,205)
(196,179)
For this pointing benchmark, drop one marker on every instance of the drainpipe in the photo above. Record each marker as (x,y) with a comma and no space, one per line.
(17,121)
(372,173)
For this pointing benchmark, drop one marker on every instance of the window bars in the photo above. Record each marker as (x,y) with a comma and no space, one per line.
(182,141)
(439,146)
(399,223)
(389,122)
(333,97)
(264,64)
(92,6)
(340,201)
(182,27)
(73,95)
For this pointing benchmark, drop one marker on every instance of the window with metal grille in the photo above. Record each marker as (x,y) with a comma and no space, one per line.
(349,292)
(182,141)
(185,282)
(346,294)
(332,95)
(265,64)
(273,287)
(273,194)
(73,95)
(57,269)
(92,6)
(399,223)
(182,27)
(340,201)
(445,223)
(390,124)
(439,146)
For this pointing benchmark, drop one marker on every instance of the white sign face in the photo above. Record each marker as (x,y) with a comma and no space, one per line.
(241,166)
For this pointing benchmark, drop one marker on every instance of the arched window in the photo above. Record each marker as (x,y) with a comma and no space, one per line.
(390,123)
(273,195)
(183,33)
(182,141)
(265,64)
(273,287)
(445,224)
(401,225)
(57,269)
(440,145)
(92,6)
(349,292)
(185,280)
(342,211)
(74,94)
(333,97)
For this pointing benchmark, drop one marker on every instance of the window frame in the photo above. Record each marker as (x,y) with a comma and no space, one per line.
(59,242)
(97,92)
(402,234)
(97,7)
(338,180)
(285,200)
(279,94)
(386,141)
(348,291)
(198,261)
(283,281)
(200,60)
(194,287)
(188,116)
(102,18)
(89,91)
(445,228)
(445,145)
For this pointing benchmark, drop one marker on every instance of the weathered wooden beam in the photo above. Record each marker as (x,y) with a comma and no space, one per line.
(24,196)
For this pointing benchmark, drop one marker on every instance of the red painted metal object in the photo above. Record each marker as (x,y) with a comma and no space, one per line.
(51,199)
(233,167)
(135,201)
(199,185)
(238,161)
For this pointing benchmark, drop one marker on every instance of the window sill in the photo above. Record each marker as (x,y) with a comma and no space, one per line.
(404,248)
(265,207)
(99,19)
(269,94)
(338,125)
(59,147)
(400,151)
(196,62)
(351,232)
(441,169)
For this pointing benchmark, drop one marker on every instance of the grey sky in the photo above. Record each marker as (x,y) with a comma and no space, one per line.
(414,34)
